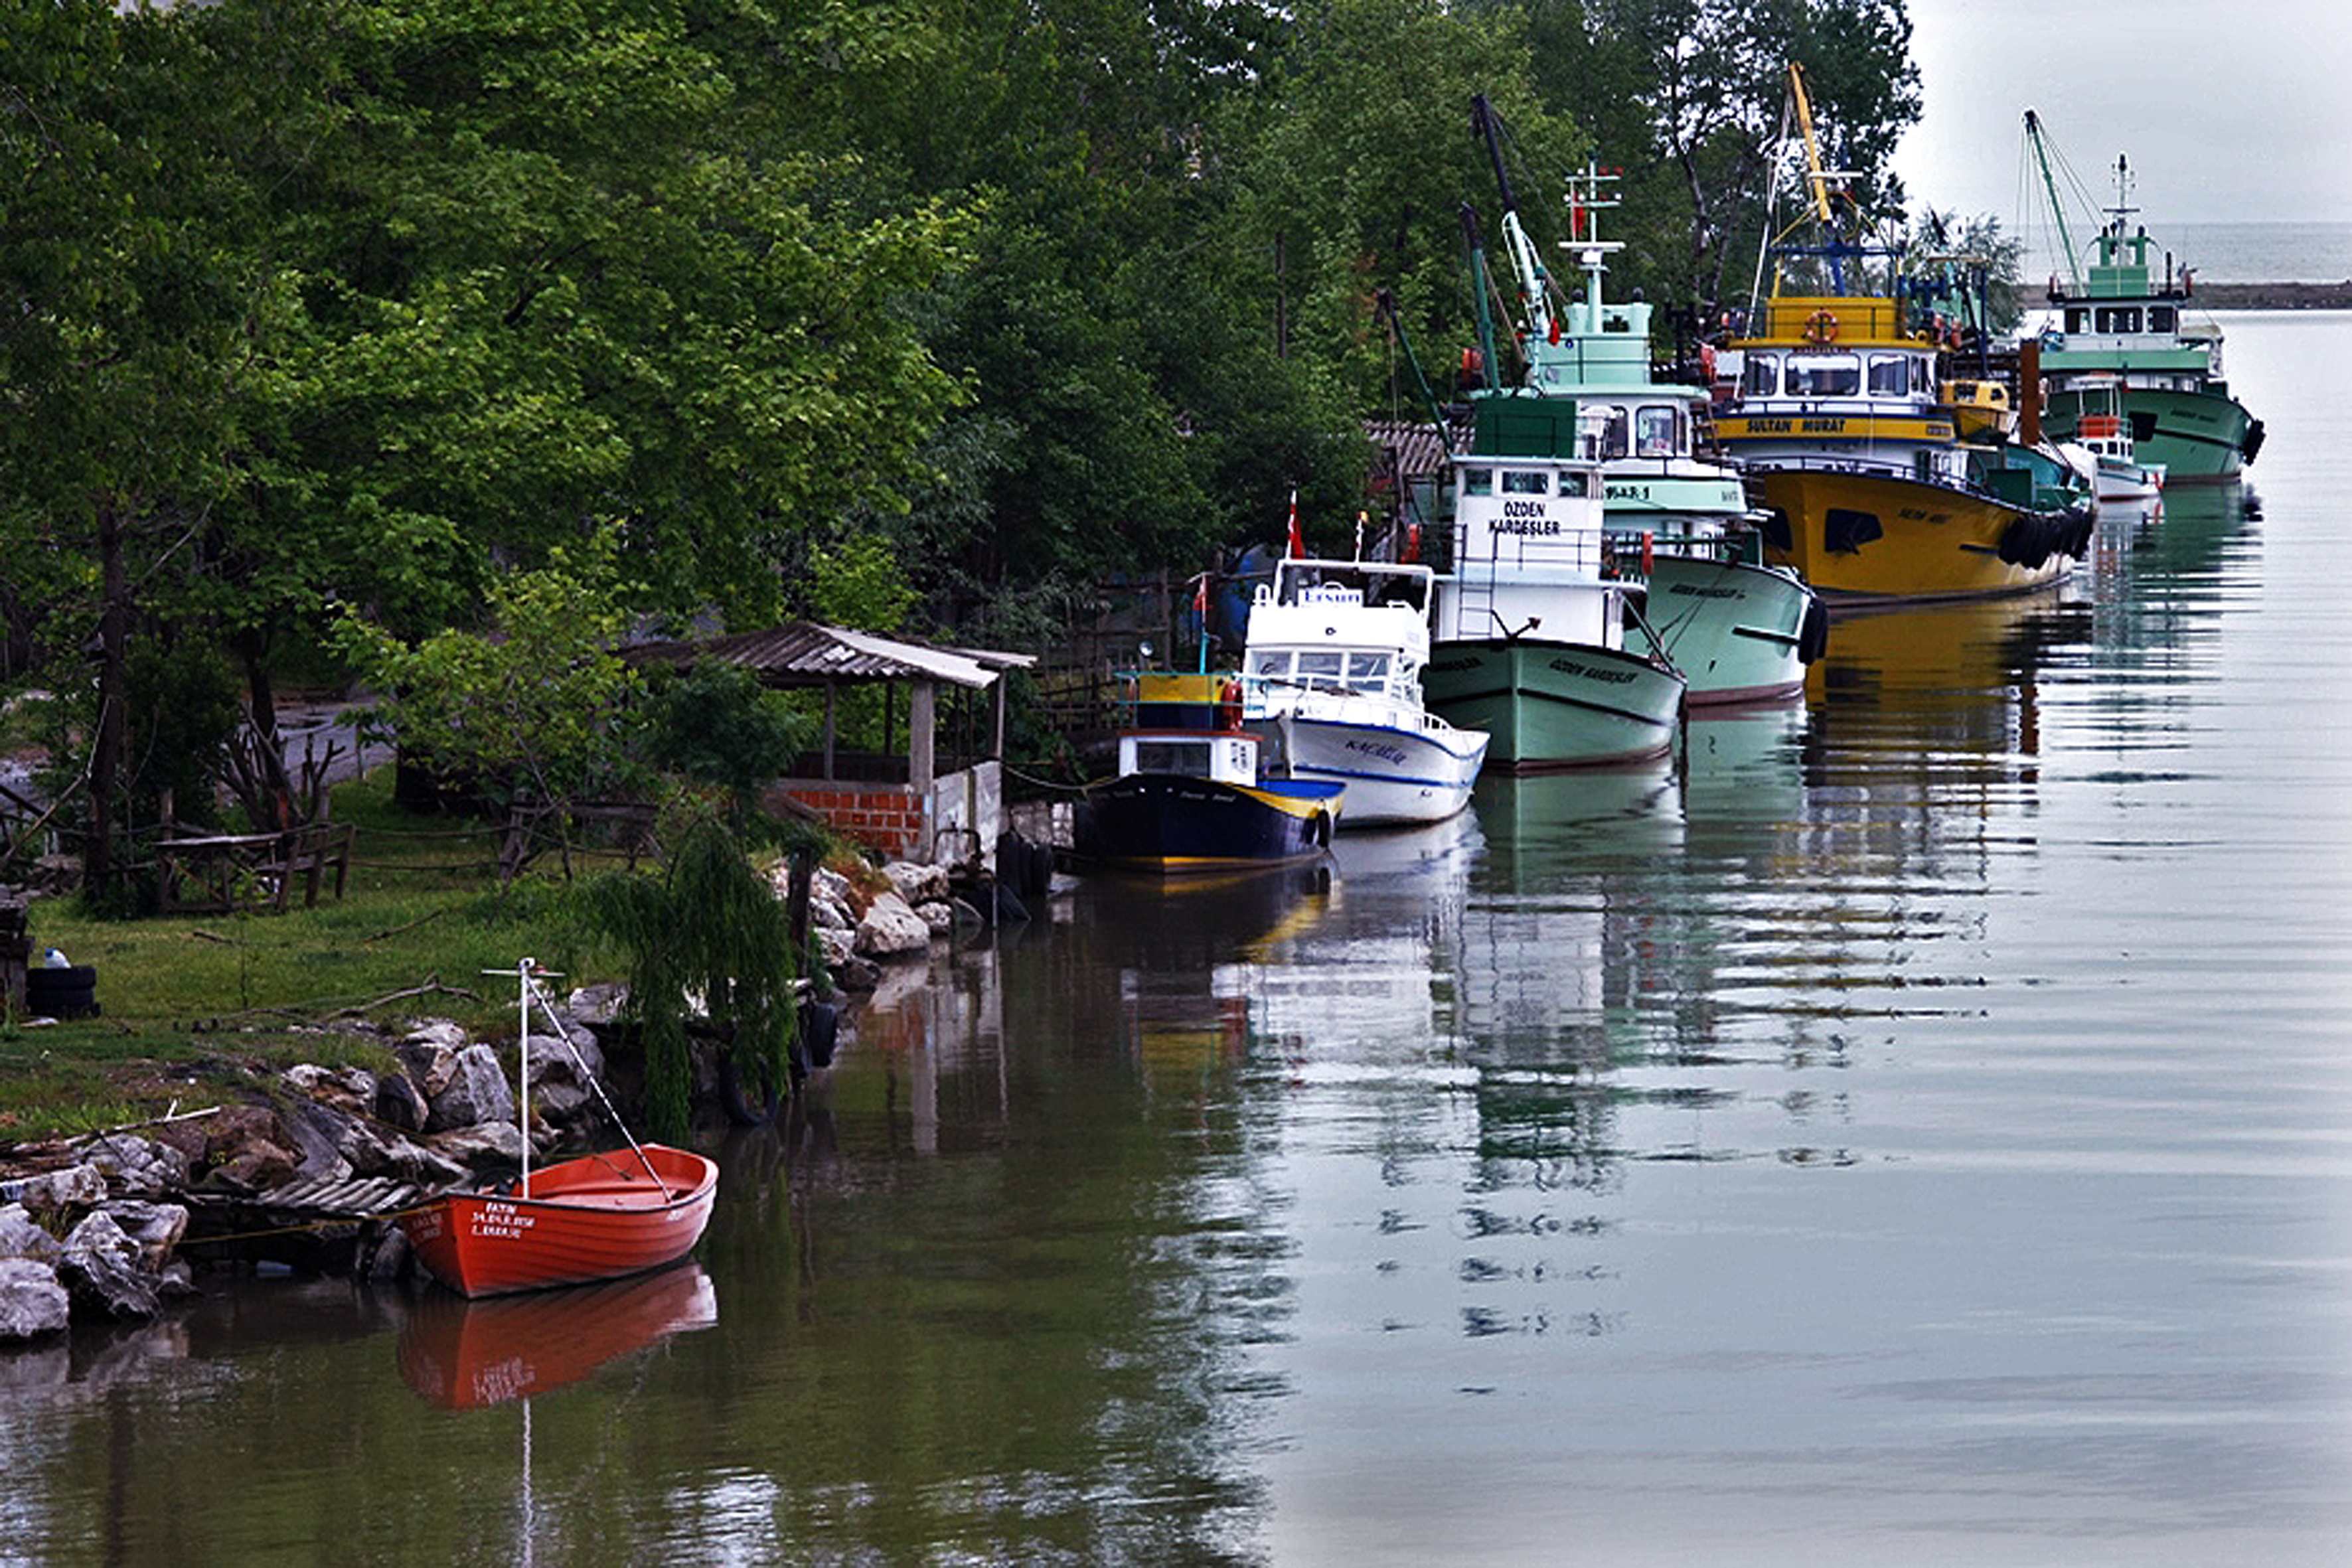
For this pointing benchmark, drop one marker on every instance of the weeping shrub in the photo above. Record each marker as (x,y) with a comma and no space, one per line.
(705,925)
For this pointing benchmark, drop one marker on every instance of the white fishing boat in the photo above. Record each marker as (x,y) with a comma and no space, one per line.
(1676,518)
(1528,639)
(2103,434)
(1331,680)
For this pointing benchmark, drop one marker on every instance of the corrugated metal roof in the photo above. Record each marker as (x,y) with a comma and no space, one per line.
(803,653)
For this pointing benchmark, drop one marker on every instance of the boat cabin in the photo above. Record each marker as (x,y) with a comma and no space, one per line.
(1350,629)
(1222,756)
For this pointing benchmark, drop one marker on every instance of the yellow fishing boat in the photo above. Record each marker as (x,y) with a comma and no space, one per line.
(1850,445)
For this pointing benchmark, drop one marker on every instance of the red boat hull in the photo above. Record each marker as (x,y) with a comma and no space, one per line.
(595,1217)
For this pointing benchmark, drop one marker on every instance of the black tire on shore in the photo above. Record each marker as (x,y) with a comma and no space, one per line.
(70,993)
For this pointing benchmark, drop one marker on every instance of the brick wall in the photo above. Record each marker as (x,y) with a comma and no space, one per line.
(881,817)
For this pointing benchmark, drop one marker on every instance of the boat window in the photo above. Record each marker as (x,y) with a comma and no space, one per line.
(1612,439)
(1174,755)
(1654,431)
(1367,671)
(1579,484)
(1890,375)
(1825,375)
(1478,481)
(1270,664)
(1525,482)
(1322,668)
(1763,376)
(2160,319)
(2118,318)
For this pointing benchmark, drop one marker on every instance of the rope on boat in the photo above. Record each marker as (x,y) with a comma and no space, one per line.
(530,971)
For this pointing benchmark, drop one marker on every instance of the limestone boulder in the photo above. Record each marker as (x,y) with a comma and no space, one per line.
(428,1054)
(399,1104)
(20,1237)
(892,930)
(919,885)
(32,1302)
(475,1092)
(154,1229)
(77,1188)
(104,1273)
(136,1166)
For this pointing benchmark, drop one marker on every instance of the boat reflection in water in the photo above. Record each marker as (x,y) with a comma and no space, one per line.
(467,1354)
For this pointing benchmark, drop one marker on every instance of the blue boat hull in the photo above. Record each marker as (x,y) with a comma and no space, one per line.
(1169,822)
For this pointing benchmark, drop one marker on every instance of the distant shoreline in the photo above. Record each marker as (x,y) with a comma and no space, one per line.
(2273,296)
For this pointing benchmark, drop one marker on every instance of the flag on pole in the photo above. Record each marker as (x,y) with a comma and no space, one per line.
(1297,544)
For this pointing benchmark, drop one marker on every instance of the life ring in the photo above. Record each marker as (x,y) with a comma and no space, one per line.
(1821,327)
(1229,705)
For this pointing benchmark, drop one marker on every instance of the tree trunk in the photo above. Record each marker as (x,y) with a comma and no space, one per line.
(106,751)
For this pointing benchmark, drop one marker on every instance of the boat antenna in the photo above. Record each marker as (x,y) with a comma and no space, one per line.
(530,973)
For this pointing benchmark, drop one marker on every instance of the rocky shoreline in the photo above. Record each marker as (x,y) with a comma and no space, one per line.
(99,1230)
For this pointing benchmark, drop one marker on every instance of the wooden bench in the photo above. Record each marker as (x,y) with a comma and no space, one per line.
(221,872)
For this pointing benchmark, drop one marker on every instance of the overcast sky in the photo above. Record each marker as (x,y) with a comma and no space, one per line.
(2229,110)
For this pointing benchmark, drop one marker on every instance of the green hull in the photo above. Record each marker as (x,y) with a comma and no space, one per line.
(1739,633)
(2199,437)
(1554,705)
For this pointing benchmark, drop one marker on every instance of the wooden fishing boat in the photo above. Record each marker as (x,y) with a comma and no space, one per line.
(1189,794)
(595,1217)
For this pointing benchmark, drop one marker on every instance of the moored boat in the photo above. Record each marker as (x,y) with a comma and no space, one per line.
(1740,629)
(2125,323)
(599,1217)
(1840,425)
(1528,639)
(1189,794)
(1331,680)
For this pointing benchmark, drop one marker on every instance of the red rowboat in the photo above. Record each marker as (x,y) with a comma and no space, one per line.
(591,1218)
(595,1217)
(467,1354)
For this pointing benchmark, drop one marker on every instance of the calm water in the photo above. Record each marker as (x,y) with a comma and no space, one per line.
(1915,1130)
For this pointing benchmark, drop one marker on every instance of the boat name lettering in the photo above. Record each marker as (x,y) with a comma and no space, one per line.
(1386,753)
(1692,590)
(1569,667)
(1628,492)
(502,1220)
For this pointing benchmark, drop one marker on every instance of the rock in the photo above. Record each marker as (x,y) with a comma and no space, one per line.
(428,1052)
(20,1238)
(832,887)
(857,974)
(345,1088)
(318,1133)
(135,1166)
(594,1004)
(102,1273)
(824,914)
(155,1229)
(917,885)
(375,1154)
(188,1136)
(384,1253)
(475,1092)
(891,930)
(484,1146)
(32,1301)
(939,915)
(399,1104)
(235,1126)
(255,1167)
(175,1281)
(75,1187)
(835,946)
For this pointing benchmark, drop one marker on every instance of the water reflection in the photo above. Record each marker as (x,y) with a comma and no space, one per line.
(467,1355)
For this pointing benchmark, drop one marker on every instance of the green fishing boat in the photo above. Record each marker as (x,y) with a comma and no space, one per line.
(2126,322)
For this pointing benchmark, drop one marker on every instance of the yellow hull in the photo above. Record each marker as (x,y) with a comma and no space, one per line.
(1870,536)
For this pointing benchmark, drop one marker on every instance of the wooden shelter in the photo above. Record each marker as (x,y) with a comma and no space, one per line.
(908,807)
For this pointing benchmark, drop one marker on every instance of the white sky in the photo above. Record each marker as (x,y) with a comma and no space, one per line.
(2229,111)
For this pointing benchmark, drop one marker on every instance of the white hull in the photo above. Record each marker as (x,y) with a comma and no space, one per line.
(1393,776)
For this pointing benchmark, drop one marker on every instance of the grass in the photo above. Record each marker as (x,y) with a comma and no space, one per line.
(190,1004)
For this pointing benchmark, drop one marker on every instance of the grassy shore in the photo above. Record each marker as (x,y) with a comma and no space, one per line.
(192,1007)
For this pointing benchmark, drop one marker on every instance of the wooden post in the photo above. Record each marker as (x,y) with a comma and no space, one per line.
(922,717)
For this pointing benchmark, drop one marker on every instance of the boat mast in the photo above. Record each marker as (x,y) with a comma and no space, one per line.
(2033,138)
(1534,297)
(1817,179)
